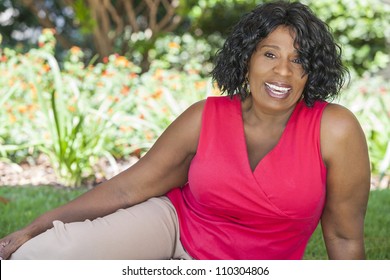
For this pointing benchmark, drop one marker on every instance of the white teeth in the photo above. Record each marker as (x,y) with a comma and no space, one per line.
(277,89)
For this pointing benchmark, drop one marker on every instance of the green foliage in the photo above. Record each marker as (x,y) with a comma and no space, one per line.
(369,99)
(83,17)
(362,27)
(217,16)
(80,113)
(184,52)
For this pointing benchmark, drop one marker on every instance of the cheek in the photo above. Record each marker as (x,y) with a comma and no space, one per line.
(301,81)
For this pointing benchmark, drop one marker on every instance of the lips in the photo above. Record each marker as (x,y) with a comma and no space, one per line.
(278,90)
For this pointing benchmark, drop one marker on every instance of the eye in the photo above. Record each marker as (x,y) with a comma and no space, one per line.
(269,55)
(297,60)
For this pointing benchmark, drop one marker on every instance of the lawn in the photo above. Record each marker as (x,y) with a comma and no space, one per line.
(26,203)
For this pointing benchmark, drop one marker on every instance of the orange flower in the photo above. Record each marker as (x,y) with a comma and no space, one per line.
(33,107)
(121,61)
(75,50)
(46,68)
(114,99)
(11,82)
(158,75)
(31,116)
(157,94)
(173,45)
(23,86)
(200,84)
(133,75)
(72,108)
(12,118)
(149,135)
(193,71)
(124,128)
(33,90)
(22,109)
(125,90)
(107,73)
(46,31)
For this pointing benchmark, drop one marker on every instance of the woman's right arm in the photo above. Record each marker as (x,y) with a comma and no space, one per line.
(164,167)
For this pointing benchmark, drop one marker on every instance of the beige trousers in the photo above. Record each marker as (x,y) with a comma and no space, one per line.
(145,231)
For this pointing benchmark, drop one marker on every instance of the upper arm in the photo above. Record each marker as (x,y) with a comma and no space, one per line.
(345,154)
(166,164)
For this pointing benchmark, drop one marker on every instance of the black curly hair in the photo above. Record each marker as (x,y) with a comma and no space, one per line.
(319,53)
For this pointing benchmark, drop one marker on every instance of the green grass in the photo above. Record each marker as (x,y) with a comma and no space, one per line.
(26,203)
(377,230)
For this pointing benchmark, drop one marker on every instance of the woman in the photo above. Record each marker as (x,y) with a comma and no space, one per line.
(246,176)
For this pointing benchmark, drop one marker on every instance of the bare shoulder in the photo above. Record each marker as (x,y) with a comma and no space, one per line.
(340,129)
(338,120)
(187,125)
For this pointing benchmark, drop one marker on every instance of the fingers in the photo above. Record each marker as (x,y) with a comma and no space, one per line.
(3,250)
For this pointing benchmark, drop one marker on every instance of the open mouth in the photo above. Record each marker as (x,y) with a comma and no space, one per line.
(277,91)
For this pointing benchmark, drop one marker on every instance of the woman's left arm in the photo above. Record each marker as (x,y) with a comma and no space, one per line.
(345,154)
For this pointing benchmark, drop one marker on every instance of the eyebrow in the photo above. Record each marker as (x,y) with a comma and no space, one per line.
(270,46)
(273,47)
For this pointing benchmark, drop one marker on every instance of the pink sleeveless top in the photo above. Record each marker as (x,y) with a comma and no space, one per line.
(226,211)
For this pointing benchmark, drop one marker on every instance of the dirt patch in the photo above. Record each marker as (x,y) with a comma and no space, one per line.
(40,172)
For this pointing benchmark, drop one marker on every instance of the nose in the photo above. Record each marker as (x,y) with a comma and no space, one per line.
(283,67)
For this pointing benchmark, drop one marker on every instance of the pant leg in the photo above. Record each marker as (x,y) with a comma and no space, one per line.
(148,230)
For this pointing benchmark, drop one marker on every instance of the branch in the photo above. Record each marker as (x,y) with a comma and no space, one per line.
(103,43)
(45,22)
(152,14)
(131,14)
(115,17)
(169,17)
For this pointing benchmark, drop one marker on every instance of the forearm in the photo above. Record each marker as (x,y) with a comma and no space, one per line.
(100,201)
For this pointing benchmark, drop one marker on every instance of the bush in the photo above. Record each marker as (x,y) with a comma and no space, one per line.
(79,113)
(362,28)
(369,99)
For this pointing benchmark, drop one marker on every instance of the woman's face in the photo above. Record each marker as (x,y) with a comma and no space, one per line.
(276,76)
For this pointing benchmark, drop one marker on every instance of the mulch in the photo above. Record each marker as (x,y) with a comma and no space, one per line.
(40,172)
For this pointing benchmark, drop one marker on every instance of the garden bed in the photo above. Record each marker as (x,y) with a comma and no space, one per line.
(41,173)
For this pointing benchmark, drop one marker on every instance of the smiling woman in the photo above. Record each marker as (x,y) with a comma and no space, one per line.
(244,176)
(275,71)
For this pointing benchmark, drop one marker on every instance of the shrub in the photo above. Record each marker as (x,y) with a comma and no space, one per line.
(369,99)
(79,113)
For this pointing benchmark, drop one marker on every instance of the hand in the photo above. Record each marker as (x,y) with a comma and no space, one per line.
(10,243)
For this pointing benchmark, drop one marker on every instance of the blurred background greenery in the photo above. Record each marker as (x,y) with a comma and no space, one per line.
(86,80)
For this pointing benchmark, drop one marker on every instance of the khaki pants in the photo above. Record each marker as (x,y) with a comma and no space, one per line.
(145,231)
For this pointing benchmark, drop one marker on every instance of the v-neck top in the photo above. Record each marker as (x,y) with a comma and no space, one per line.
(227,211)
